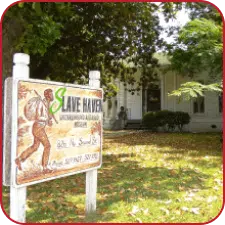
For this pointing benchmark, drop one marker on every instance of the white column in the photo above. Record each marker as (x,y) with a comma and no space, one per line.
(91,176)
(162,91)
(175,98)
(146,100)
(118,97)
(17,195)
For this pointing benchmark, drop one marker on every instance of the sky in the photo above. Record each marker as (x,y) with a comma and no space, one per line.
(181,20)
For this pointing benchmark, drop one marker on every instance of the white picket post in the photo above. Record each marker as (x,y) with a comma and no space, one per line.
(91,176)
(18,195)
(91,191)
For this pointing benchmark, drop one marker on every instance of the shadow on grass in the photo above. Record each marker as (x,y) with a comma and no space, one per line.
(117,182)
(200,144)
(63,200)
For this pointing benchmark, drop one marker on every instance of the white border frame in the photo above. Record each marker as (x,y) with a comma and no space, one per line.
(6,150)
(15,130)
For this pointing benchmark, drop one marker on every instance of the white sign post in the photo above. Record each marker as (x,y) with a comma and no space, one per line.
(18,195)
(79,115)
(91,176)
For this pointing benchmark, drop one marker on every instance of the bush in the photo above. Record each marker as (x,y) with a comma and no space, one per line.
(169,120)
(150,121)
(181,118)
(154,120)
(166,120)
(161,117)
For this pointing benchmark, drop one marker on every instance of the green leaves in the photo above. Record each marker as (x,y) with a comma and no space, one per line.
(37,7)
(194,89)
(44,34)
(199,49)
(20,4)
(66,40)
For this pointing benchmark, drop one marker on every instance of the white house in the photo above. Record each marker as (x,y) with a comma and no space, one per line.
(205,112)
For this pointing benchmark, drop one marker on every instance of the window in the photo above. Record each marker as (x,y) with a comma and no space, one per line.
(199,105)
(221,103)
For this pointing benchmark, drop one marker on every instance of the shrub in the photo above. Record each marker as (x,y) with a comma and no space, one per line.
(161,117)
(154,120)
(171,121)
(150,121)
(166,119)
(181,118)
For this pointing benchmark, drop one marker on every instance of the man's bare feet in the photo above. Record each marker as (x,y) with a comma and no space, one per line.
(47,170)
(18,163)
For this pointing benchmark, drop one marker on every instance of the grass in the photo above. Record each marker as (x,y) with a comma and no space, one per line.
(145,177)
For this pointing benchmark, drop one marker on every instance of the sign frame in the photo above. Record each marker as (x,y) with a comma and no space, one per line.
(7,131)
(15,112)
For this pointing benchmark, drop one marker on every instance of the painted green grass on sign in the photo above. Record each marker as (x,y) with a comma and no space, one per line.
(145,177)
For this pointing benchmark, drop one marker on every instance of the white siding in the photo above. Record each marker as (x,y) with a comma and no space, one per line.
(200,122)
(134,102)
(169,82)
(184,106)
(211,116)
(169,102)
(121,96)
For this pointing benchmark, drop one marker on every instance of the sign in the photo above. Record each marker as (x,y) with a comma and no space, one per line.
(58,130)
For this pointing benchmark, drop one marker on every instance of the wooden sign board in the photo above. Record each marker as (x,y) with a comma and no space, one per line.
(58,130)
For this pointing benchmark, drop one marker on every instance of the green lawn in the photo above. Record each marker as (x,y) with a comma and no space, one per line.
(145,177)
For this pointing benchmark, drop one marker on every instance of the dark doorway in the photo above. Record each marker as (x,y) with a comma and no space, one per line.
(153,100)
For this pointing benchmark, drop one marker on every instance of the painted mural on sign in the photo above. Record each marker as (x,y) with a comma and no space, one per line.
(59,131)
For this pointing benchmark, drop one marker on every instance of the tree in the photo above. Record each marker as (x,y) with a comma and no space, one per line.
(66,40)
(26,28)
(199,48)
(205,10)
(194,89)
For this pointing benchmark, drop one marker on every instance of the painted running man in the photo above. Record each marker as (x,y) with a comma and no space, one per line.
(41,119)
